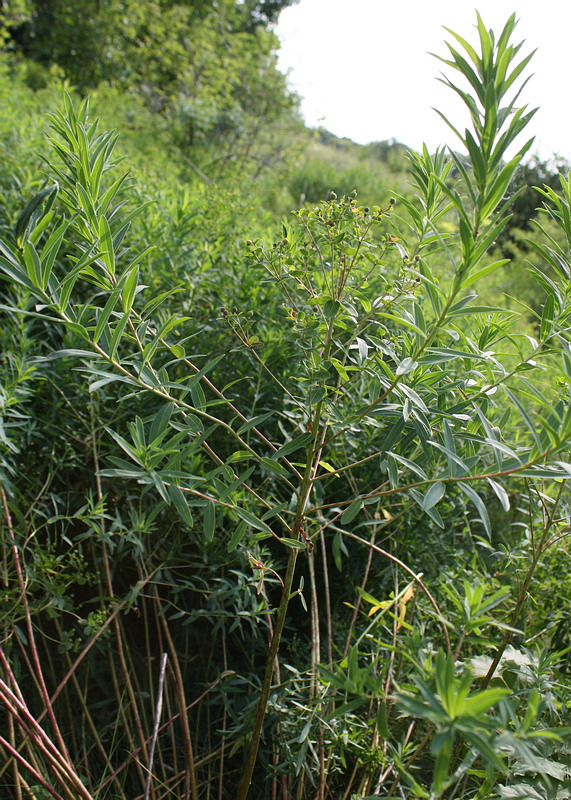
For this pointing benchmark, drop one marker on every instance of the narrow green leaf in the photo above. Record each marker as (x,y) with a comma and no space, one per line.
(107,246)
(254,422)
(107,198)
(410,464)
(33,265)
(105,314)
(33,205)
(252,520)
(161,421)
(293,543)
(480,507)
(209,521)
(237,536)
(500,493)
(434,494)
(179,501)
(295,444)
(16,274)
(130,287)
(547,317)
(117,334)
(351,512)
(274,467)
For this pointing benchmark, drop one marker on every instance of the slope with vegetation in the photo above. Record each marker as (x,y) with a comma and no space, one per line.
(284,502)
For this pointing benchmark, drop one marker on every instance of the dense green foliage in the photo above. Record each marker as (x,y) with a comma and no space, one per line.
(284,503)
(207,69)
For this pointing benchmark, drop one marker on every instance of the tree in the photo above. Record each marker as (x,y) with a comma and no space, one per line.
(130,41)
(209,68)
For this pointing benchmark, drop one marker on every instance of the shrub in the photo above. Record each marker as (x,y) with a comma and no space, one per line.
(191,516)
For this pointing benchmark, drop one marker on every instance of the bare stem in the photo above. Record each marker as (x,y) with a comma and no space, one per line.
(158,712)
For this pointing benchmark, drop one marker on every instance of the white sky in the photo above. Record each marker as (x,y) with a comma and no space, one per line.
(364,71)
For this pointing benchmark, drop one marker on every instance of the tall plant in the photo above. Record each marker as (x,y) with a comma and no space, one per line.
(398,390)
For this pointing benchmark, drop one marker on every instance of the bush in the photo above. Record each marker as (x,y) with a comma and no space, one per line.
(230,477)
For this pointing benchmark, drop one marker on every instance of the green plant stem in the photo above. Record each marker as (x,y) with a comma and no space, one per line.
(30,630)
(522,595)
(62,770)
(15,767)
(414,576)
(268,674)
(327,599)
(26,764)
(355,614)
(315,637)
(313,451)
(379,492)
(192,787)
(119,633)
(63,761)
(81,699)
(163,727)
